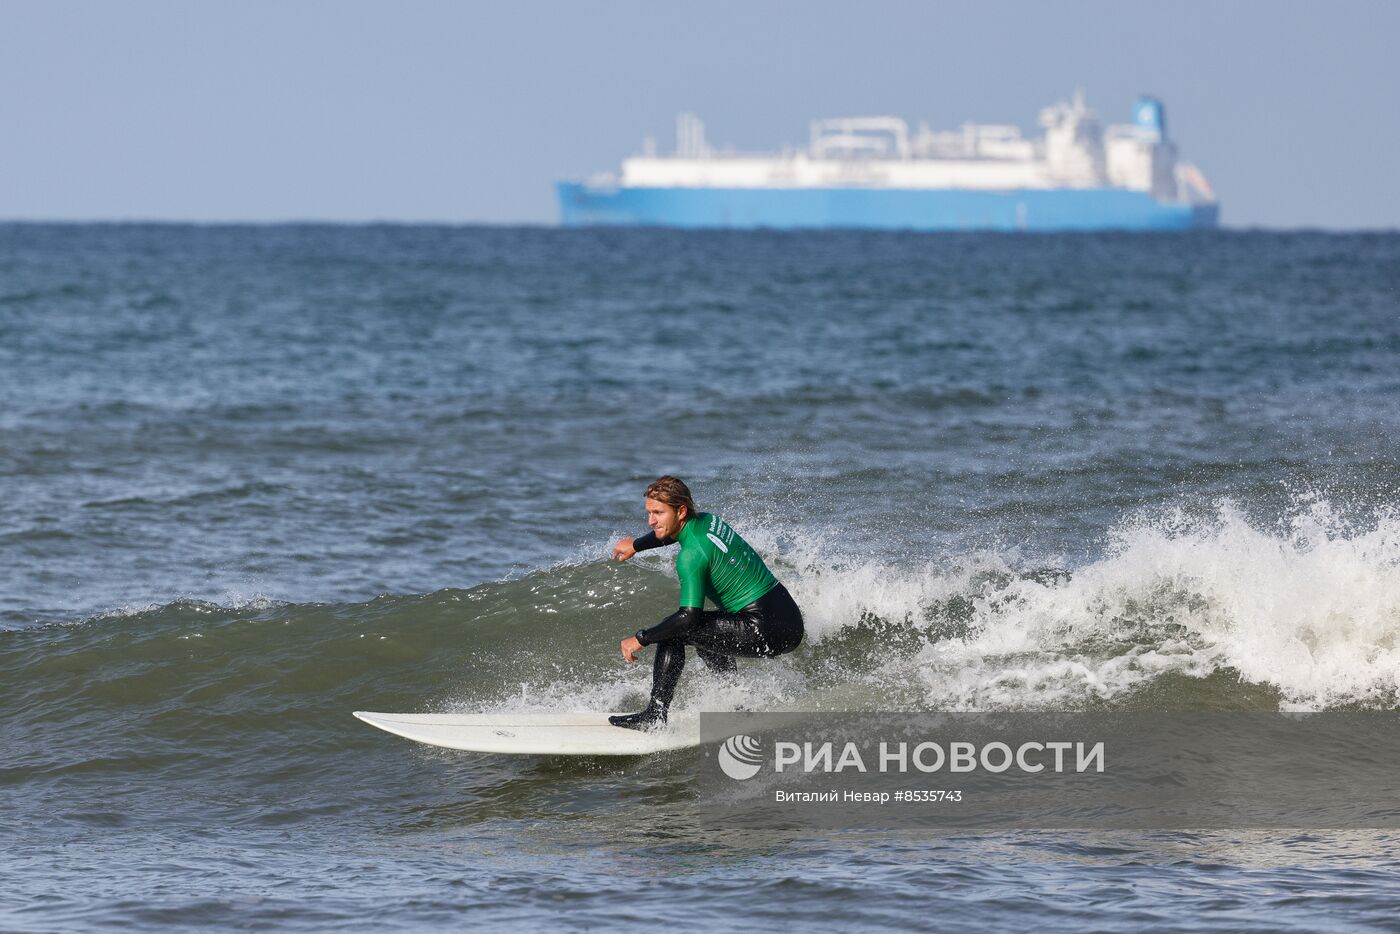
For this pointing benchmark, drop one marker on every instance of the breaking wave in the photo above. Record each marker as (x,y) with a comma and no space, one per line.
(1179,612)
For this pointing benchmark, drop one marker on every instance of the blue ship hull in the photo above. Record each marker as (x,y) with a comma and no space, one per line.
(879,208)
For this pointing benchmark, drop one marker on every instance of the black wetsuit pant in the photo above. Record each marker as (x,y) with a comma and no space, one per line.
(771,625)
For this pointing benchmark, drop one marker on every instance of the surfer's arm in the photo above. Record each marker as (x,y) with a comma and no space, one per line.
(628,547)
(651,540)
(693,569)
(675,626)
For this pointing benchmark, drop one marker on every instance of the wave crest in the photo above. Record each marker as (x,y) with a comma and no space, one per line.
(1309,610)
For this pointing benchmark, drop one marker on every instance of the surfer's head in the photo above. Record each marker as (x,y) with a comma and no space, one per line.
(668,506)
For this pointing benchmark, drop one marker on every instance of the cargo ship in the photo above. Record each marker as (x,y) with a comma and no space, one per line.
(874,173)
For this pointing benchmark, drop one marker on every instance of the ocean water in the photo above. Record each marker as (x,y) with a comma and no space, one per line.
(258,477)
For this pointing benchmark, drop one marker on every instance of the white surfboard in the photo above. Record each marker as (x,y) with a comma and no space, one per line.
(557,734)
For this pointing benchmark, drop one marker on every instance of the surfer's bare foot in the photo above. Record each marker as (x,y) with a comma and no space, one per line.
(653,717)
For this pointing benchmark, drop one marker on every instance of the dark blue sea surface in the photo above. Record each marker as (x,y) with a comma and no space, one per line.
(258,477)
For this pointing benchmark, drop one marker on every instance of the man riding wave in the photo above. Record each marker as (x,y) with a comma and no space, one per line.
(757,617)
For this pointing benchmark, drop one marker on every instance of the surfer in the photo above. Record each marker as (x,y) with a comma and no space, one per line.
(757,617)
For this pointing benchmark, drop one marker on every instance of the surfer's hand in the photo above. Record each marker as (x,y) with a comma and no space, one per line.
(630,649)
(624,549)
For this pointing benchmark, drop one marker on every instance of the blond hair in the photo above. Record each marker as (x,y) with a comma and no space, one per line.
(674,493)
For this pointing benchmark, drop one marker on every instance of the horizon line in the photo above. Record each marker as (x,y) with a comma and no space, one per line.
(555,225)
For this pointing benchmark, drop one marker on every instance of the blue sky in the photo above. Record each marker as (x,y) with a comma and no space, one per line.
(467,112)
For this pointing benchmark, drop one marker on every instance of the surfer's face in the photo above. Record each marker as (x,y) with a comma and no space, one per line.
(664,520)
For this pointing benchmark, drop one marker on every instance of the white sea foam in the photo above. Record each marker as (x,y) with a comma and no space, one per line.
(1311,608)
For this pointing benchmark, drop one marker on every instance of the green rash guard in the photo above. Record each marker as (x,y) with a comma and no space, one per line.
(715,562)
